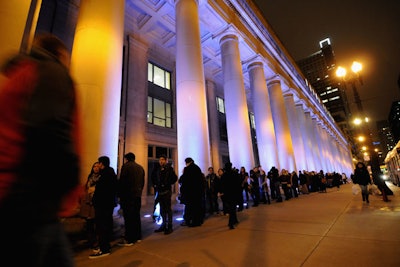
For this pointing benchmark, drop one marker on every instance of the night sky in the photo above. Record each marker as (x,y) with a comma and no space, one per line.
(367,31)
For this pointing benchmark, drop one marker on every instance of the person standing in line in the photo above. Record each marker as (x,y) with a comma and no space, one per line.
(211,193)
(86,207)
(218,188)
(163,177)
(38,125)
(192,190)
(104,202)
(363,179)
(230,185)
(244,176)
(131,183)
(294,181)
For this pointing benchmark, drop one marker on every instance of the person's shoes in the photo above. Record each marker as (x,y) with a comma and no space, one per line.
(168,231)
(159,230)
(125,243)
(231,227)
(184,223)
(95,249)
(99,254)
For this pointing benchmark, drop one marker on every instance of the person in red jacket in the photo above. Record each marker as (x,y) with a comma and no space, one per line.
(39,163)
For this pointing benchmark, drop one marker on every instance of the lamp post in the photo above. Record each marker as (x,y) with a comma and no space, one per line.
(352,78)
(356,67)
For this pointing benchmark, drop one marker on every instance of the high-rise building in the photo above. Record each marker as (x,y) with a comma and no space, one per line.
(319,69)
(394,120)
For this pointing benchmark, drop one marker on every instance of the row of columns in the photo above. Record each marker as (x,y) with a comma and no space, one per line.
(287,135)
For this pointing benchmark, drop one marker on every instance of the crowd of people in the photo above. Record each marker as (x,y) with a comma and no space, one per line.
(225,192)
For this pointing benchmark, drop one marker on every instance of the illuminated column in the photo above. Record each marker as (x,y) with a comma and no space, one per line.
(307,145)
(265,131)
(237,115)
(313,147)
(330,142)
(317,143)
(190,87)
(334,147)
(214,126)
(281,124)
(96,66)
(15,19)
(295,132)
(135,106)
(325,155)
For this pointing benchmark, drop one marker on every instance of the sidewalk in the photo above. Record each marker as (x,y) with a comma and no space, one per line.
(320,229)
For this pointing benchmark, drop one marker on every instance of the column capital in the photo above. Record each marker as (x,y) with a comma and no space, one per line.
(230,33)
(257,61)
(199,2)
(277,79)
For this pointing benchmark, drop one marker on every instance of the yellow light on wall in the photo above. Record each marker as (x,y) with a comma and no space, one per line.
(361,138)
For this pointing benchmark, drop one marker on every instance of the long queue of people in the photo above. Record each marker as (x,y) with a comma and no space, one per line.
(238,189)
(201,195)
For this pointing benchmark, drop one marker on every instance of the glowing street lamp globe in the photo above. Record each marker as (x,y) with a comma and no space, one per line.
(356,67)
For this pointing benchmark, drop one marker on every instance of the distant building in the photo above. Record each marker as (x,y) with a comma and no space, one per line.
(394,120)
(319,69)
(385,136)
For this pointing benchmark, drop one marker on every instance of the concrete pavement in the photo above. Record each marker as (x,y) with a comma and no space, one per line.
(320,229)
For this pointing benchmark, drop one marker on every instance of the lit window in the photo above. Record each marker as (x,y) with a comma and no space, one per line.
(334,98)
(252,121)
(159,112)
(158,76)
(220,105)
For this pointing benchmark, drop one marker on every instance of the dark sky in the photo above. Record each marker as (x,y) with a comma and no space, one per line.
(367,31)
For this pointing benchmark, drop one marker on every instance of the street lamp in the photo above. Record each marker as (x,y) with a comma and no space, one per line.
(356,68)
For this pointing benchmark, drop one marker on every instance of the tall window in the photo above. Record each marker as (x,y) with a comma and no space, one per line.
(158,112)
(220,105)
(159,76)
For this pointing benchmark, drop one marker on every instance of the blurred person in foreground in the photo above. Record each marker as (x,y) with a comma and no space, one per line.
(38,136)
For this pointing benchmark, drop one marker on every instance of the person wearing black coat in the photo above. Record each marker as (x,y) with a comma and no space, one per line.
(230,186)
(192,192)
(362,178)
(104,202)
(163,177)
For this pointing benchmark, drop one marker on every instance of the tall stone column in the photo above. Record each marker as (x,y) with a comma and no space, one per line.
(318,146)
(193,139)
(237,114)
(17,21)
(265,131)
(295,131)
(96,66)
(281,124)
(313,142)
(214,126)
(324,152)
(307,144)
